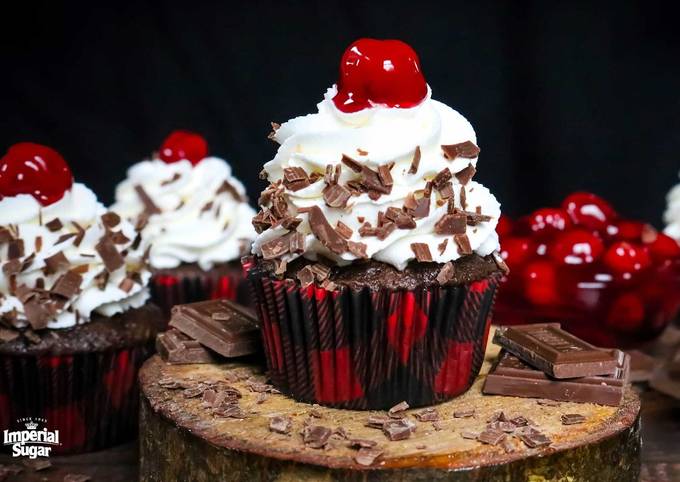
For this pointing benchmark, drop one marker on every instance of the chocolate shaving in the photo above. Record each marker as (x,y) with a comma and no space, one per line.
(442,178)
(280,424)
(56,262)
(110,219)
(324,232)
(336,196)
(463,197)
(293,242)
(446,191)
(174,178)
(67,285)
(316,436)
(54,225)
(422,252)
(385,175)
(463,243)
(290,223)
(473,219)
(466,174)
(126,284)
(5,235)
(446,273)
(119,238)
(227,187)
(149,206)
(8,335)
(36,314)
(110,256)
(358,249)
(415,162)
(272,134)
(572,418)
(351,163)
(442,246)
(451,224)
(11,267)
(38,244)
(343,230)
(295,178)
(367,456)
(361,152)
(321,271)
(15,249)
(465,149)
(305,276)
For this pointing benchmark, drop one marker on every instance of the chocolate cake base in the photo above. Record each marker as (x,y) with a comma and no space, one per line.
(376,275)
(180,439)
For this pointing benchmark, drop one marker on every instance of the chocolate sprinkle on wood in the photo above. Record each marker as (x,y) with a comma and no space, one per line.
(572,419)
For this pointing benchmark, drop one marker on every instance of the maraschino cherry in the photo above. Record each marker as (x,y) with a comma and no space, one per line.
(29,168)
(385,72)
(181,145)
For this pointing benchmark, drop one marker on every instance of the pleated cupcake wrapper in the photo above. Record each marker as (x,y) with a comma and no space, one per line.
(170,290)
(372,349)
(90,398)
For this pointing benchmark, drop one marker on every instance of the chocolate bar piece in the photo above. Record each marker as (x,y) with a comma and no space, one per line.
(512,377)
(221,325)
(558,353)
(176,348)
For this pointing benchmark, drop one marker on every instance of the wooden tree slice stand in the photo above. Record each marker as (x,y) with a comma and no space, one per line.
(181,440)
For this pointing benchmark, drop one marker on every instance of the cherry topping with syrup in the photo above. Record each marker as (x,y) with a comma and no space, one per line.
(29,168)
(383,72)
(181,145)
(588,210)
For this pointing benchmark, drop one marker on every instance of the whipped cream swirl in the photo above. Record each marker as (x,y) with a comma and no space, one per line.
(375,137)
(36,252)
(201,212)
(672,214)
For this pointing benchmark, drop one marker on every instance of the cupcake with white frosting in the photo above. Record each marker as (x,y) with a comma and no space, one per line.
(376,260)
(75,320)
(194,214)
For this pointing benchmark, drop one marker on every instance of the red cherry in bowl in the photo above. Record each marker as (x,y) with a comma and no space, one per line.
(504,226)
(624,257)
(29,168)
(181,145)
(549,220)
(661,246)
(577,246)
(589,210)
(383,72)
(540,283)
(515,251)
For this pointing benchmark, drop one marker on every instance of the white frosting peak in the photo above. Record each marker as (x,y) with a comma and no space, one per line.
(375,137)
(672,214)
(200,221)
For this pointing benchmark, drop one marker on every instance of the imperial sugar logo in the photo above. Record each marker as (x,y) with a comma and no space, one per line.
(32,442)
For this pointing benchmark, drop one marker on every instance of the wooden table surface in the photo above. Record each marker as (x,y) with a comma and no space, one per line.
(660,450)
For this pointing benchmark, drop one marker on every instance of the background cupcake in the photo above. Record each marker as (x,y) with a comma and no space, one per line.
(374,268)
(672,214)
(75,324)
(194,214)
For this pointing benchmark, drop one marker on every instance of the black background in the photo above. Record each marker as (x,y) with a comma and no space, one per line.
(563,96)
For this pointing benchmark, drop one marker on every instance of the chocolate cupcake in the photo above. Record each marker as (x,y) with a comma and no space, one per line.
(194,214)
(75,321)
(375,266)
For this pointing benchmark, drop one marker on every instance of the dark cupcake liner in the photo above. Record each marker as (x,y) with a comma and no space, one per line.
(168,290)
(372,349)
(91,398)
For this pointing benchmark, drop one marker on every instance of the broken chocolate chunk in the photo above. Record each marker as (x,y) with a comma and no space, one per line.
(415,162)
(427,415)
(385,175)
(463,243)
(295,178)
(316,436)
(367,456)
(56,262)
(442,178)
(54,225)
(67,285)
(398,429)
(321,271)
(149,206)
(572,418)
(491,436)
(451,224)
(305,276)
(465,149)
(351,163)
(110,219)
(336,196)
(280,424)
(466,174)
(534,438)
(324,232)
(15,249)
(176,348)
(398,408)
(110,256)
(446,273)
(422,252)
(464,414)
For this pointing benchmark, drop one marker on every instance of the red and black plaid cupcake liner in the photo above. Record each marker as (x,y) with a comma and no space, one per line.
(372,349)
(168,290)
(90,398)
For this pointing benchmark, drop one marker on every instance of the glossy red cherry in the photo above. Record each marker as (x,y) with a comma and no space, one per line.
(624,257)
(34,169)
(589,210)
(515,251)
(627,230)
(540,283)
(577,246)
(662,246)
(183,145)
(504,226)
(549,220)
(383,72)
